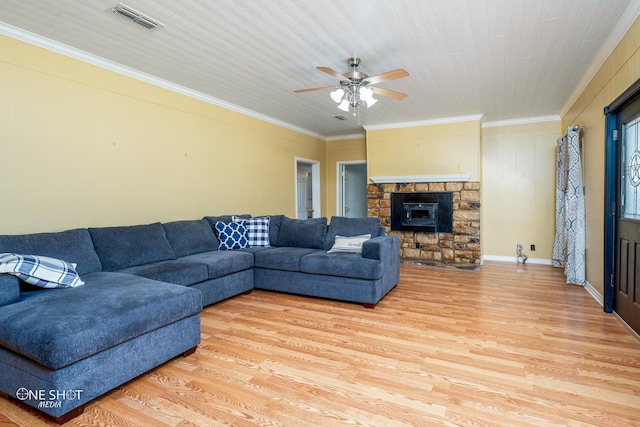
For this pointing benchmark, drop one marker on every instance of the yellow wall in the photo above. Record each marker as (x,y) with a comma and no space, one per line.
(620,70)
(448,148)
(84,146)
(343,150)
(518,188)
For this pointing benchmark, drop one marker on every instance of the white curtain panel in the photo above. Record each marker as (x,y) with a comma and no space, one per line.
(569,244)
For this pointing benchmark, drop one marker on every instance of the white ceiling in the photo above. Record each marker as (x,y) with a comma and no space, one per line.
(502,59)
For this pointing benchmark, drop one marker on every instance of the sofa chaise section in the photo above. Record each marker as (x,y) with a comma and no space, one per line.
(91,338)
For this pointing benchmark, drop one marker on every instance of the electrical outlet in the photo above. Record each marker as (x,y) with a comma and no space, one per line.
(417,245)
(533,248)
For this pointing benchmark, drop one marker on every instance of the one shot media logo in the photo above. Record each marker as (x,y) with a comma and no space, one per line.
(48,398)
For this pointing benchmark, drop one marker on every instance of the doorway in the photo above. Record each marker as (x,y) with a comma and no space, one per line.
(352,189)
(622,198)
(307,194)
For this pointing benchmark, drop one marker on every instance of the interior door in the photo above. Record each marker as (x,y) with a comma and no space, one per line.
(354,187)
(627,277)
(302,186)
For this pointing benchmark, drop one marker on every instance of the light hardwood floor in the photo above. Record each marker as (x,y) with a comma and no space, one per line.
(509,345)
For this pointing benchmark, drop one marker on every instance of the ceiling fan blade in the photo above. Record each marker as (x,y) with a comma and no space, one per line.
(389,93)
(332,72)
(389,75)
(313,88)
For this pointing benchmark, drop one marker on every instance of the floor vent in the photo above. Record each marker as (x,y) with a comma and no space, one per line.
(136,16)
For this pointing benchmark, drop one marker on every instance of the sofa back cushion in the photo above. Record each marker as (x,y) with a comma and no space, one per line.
(126,246)
(303,233)
(73,246)
(9,289)
(190,237)
(350,227)
(274,228)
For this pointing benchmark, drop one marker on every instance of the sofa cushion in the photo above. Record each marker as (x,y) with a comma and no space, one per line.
(350,227)
(126,246)
(275,223)
(232,235)
(341,264)
(41,271)
(190,237)
(282,258)
(257,230)
(303,233)
(172,271)
(9,289)
(222,263)
(74,246)
(61,326)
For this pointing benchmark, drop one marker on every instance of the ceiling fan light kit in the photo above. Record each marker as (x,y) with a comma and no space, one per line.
(354,91)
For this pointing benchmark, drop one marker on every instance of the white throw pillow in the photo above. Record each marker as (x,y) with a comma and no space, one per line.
(349,244)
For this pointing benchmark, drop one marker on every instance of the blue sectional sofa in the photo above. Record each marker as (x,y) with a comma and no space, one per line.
(145,285)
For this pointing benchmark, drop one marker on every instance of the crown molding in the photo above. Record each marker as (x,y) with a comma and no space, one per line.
(341,137)
(445,120)
(80,55)
(521,121)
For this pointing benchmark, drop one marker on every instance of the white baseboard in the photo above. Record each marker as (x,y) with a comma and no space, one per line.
(514,260)
(595,294)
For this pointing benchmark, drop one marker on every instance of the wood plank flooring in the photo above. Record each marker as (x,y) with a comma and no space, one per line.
(510,345)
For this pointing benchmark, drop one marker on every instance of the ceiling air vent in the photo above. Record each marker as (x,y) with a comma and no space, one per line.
(136,16)
(340,117)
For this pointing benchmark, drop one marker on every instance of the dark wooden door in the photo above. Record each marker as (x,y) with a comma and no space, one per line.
(627,282)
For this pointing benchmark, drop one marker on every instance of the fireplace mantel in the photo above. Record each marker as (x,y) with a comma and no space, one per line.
(420,178)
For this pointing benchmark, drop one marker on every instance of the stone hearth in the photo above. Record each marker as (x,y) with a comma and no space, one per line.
(460,248)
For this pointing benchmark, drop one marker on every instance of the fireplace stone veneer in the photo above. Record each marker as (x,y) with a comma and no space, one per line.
(460,247)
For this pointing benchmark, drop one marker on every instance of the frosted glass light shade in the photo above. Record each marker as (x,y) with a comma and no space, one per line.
(366,95)
(337,95)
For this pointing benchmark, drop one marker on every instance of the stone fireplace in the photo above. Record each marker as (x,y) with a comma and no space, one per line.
(427,243)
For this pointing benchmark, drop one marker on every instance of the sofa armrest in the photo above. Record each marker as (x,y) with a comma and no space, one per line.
(385,249)
(382,248)
(9,289)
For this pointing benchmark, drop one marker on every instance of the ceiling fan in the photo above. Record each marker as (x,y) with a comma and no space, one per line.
(356,88)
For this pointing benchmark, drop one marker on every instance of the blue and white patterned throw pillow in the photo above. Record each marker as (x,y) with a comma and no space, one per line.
(257,229)
(40,271)
(231,236)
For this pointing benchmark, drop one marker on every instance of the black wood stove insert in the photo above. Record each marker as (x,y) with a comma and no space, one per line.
(423,212)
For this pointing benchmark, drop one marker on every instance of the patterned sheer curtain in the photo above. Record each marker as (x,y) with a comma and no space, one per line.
(569,244)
